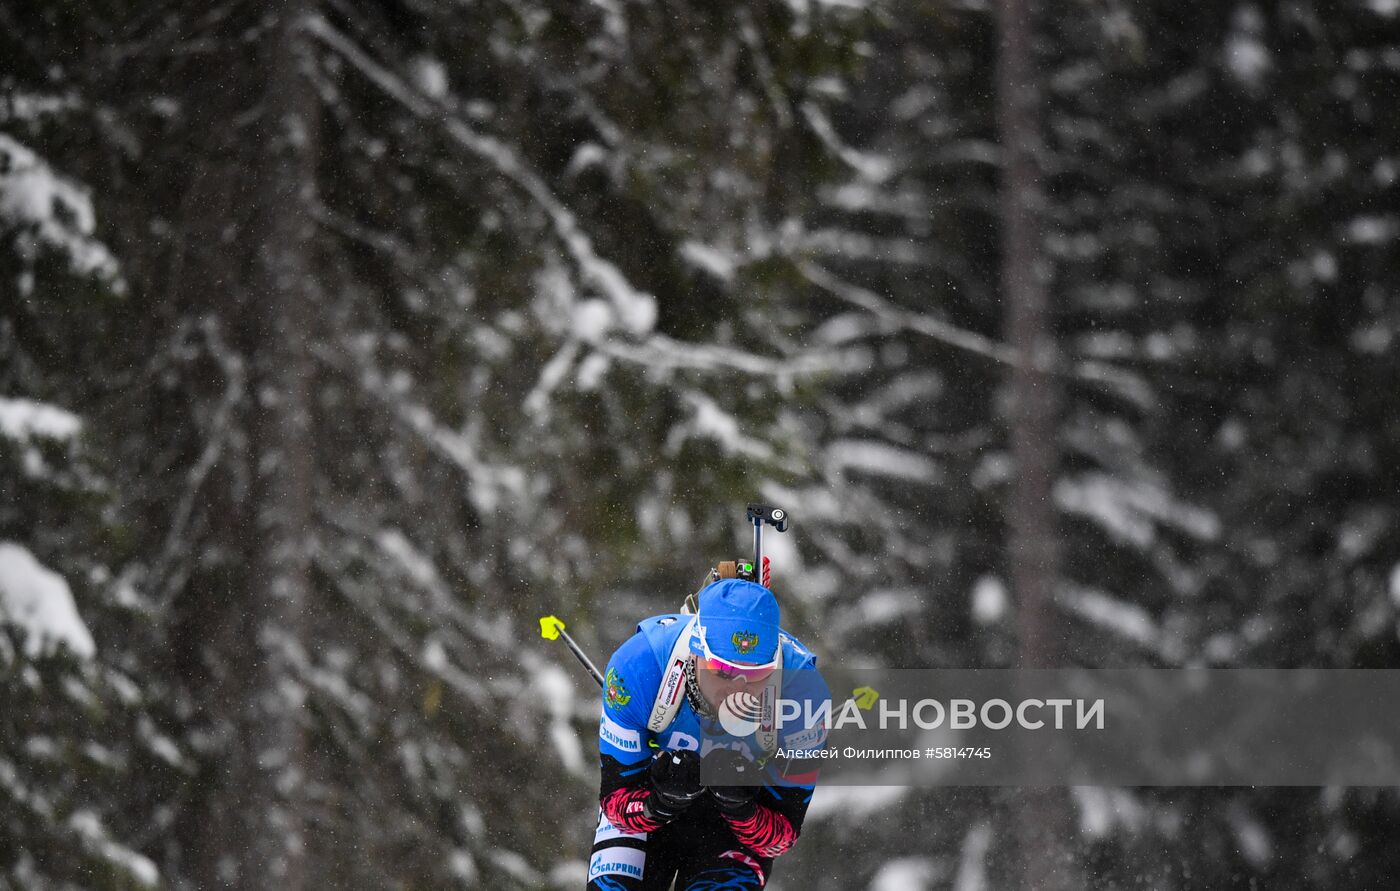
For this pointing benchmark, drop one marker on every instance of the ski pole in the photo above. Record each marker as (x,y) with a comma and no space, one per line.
(552,628)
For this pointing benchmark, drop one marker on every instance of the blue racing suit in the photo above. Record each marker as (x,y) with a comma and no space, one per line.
(702,848)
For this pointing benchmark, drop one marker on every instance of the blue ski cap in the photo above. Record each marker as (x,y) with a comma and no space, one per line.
(740,619)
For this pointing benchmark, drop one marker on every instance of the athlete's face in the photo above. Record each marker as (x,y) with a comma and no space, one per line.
(715,688)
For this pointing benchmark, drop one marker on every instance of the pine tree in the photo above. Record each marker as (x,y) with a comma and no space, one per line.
(416,339)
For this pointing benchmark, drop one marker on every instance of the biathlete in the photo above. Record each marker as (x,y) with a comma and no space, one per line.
(695,786)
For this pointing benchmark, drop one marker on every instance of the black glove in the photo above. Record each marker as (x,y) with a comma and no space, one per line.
(675,784)
(728,771)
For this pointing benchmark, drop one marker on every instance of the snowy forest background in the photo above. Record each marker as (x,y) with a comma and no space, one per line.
(342,339)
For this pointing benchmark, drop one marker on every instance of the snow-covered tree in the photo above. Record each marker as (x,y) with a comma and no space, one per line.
(342,340)
(75,730)
(435,317)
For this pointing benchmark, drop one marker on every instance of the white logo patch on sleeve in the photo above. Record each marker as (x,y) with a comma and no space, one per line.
(618,861)
(607,831)
(618,736)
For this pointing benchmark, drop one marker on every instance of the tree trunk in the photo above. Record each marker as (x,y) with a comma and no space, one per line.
(251,243)
(284,285)
(1043,827)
